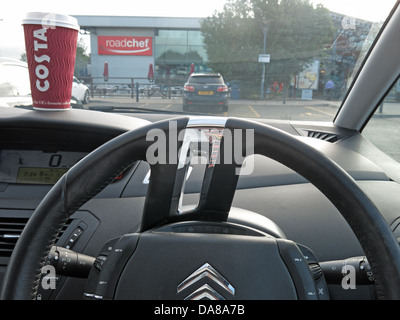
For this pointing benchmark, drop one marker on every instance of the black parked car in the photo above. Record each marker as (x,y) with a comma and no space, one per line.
(205,89)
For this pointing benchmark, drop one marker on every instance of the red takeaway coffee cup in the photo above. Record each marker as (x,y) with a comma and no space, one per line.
(50,42)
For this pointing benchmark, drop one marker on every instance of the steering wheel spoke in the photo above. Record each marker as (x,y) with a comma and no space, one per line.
(205,137)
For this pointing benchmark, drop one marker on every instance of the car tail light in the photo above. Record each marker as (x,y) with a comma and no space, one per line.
(222,89)
(188,88)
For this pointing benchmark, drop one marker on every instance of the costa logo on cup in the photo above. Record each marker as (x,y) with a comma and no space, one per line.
(50,41)
(41,70)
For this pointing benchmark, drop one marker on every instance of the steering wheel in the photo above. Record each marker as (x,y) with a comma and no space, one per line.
(79,185)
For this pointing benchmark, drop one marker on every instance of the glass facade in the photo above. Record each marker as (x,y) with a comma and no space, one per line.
(175,52)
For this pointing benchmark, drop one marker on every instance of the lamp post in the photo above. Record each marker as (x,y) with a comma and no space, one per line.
(265,29)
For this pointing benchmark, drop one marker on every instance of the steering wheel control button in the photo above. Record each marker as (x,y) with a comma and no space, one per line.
(91,296)
(107,267)
(316,271)
(73,238)
(99,262)
(299,269)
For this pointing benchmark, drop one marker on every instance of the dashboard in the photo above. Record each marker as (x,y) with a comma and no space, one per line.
(36,149)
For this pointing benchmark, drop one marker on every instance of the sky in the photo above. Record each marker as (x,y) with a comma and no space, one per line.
(11,32)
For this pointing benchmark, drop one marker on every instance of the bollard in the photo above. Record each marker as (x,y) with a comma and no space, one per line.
(132,86)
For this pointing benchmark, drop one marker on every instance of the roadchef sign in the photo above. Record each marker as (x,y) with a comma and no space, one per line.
(125,45)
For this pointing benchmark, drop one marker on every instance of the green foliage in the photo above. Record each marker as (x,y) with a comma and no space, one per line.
(171,57)
(82,59)
(23,57)
(297,34)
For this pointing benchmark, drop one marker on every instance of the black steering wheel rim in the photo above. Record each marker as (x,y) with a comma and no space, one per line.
(79,185)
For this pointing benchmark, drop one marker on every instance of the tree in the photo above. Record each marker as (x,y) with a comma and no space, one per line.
(297,34)
(82,59)
(23,57)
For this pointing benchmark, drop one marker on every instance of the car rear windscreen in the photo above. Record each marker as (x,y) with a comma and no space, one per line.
(206,79)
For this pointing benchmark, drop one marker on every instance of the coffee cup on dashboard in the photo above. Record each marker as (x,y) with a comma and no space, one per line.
(50,42)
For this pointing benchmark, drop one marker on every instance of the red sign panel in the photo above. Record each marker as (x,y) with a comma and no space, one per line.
(125,45)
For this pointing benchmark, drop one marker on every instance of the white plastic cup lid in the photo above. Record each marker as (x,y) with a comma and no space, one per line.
(51,20)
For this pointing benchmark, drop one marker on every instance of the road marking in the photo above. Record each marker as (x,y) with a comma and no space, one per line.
(323,112)
(246,115)
(168,106)
(254,111)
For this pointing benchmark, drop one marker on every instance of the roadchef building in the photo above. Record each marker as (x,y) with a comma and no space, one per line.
(130,44)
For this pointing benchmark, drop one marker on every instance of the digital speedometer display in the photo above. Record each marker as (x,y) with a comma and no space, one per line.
(36,166)
(40,175)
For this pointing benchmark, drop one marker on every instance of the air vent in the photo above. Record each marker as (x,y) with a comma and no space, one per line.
(10,230)
(330,137)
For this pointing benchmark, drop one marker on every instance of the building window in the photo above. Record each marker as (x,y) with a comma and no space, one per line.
(176,50)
